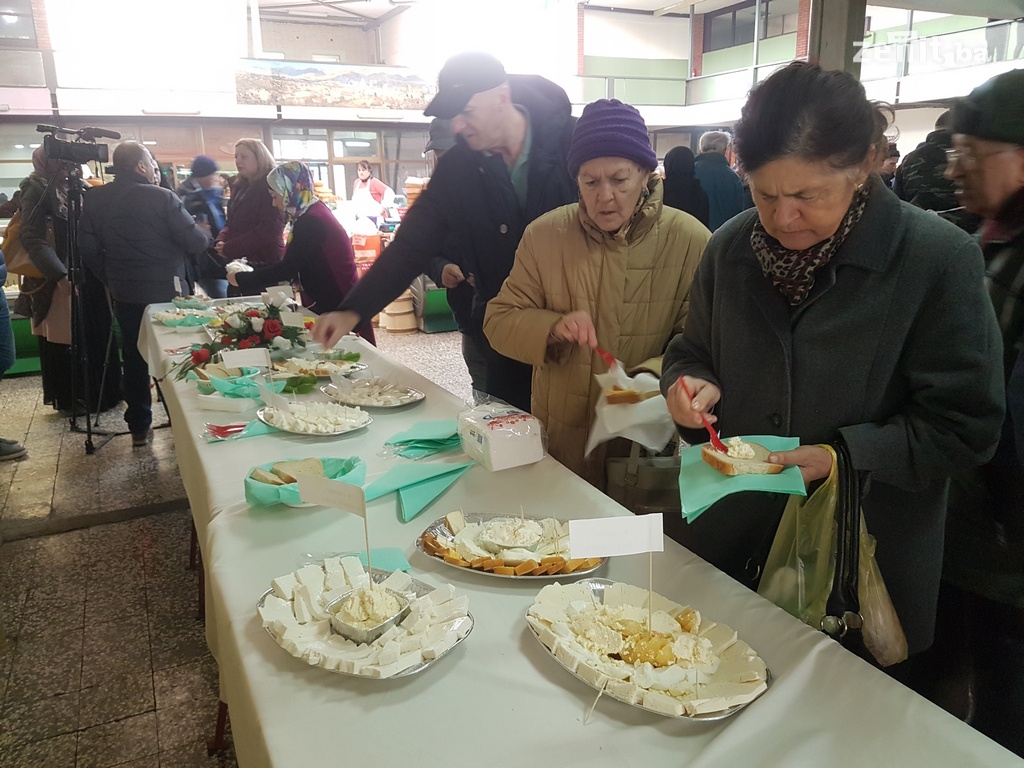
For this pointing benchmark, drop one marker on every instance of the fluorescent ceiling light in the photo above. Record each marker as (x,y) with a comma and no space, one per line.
(19,146)
(34,146)
(356,143)
(149,143)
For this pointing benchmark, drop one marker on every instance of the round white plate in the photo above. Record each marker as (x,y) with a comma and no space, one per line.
(261,415)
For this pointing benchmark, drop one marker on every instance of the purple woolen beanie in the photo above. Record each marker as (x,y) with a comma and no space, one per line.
(609,128)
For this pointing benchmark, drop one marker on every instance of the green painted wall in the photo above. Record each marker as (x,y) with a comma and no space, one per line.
(942,26)
(613,66)
(629,79)
(771,50)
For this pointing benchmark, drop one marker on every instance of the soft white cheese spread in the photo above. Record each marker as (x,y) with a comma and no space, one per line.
(368,607)
(738,449)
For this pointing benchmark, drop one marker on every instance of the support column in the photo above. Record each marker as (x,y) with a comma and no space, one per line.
(834,27)
(255,29)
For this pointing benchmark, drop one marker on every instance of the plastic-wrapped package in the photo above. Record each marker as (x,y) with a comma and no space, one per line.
(498,436)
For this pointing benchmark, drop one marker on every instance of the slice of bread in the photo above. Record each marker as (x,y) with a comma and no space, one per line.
(291,471)
(727,465)
(262,476)
(619,396)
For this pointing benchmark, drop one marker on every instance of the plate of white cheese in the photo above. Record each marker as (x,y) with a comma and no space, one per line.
(320,419)
(372,393)
(294,611)
(646,650)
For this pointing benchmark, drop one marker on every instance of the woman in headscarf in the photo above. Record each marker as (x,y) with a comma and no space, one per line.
(47,300)
(834,312)
(612,270)
(319,254)
(254,227)
(682,187)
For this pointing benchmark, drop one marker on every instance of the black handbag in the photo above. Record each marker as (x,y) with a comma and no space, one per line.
(843,621)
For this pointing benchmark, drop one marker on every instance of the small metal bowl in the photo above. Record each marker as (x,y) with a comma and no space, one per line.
(363,635)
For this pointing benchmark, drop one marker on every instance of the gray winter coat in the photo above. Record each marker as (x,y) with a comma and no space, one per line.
(896,349)
(134,235)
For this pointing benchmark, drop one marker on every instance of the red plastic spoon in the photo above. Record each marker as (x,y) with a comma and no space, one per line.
(607,356)
(716,441)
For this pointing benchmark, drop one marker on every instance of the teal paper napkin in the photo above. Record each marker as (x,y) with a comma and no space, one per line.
(253,429)
(425,438)
(700,485)
(418,485)
(188,321)
(350,470)
(442,429)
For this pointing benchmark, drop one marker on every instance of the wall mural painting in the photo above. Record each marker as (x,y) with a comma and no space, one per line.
(331,85)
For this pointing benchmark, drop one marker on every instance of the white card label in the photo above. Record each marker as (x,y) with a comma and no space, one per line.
(284,290)
(293,319)
(334,494)
(177,285)
(610,536)
(274,400)
(254,357)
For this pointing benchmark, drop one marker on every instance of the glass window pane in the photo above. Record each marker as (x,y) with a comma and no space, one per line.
(16,21)
(721,33)
(11,175)
(355,144)
(744,26)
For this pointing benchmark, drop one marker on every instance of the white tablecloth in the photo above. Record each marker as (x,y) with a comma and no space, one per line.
(499,698)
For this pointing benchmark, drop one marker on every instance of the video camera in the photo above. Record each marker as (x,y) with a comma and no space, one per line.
(82,149)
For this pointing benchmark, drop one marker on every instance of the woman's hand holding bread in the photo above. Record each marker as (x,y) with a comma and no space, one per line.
(815,462)
(686,412)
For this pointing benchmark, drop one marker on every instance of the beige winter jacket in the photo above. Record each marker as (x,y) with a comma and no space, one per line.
(633,284)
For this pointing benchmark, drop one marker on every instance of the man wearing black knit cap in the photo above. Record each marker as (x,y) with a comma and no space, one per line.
(983,567)
(507,168)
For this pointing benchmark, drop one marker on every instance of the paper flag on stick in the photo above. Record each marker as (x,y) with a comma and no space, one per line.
(333,493)
(274,400)
(293,319)
(177,285)
(606,537)
(255,357)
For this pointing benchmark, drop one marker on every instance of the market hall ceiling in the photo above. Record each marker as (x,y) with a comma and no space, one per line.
(369,14)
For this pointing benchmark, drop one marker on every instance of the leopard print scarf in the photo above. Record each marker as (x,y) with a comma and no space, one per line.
(792,272)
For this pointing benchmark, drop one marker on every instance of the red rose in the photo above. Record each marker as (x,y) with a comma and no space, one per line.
(255,339)
(226,340)
(308,324)
(272,328)
(244,344)
(252,313)
(200,356)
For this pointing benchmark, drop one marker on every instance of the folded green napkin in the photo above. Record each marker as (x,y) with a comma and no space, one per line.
(233,386)
(701,485)
(442,429)
(425,438)
(418,485)
(188,321)
(253,429)
(350,470)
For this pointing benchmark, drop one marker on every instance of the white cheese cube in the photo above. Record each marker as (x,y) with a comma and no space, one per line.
(274,608)
(398,581)
(284,585)
(312,576)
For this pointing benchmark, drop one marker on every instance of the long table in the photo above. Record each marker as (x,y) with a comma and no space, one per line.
(499,698)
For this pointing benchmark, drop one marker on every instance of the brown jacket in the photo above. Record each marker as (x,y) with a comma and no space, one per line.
(633,284)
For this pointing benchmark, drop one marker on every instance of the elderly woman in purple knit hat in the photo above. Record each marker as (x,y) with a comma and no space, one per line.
(612,270)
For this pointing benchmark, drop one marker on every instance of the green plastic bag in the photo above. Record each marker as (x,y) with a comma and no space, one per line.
(801,565)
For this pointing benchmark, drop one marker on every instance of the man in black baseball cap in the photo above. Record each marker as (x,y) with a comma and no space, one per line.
(463,76)
(507,168)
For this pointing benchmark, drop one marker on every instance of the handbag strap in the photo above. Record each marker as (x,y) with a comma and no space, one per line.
(842,610)
(633,467)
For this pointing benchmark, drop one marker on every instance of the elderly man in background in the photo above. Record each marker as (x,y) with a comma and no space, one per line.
(984,557)
(136,237)
(717,178)
(508,168)
(920,179)
(203,197)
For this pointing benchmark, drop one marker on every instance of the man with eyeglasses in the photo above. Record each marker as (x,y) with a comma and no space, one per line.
(984,559)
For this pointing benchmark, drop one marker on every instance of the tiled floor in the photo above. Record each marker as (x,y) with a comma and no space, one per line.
(104,662)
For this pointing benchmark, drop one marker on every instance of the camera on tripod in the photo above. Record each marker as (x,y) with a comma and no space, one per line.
(82,149)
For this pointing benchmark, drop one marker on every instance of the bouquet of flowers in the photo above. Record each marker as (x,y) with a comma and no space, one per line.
(244,329)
